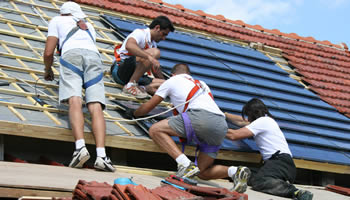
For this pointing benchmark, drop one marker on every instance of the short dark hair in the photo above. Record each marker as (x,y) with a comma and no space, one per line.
(254,109)
(181,68)
(163,22)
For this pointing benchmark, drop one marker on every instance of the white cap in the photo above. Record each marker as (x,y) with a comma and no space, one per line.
(72,8)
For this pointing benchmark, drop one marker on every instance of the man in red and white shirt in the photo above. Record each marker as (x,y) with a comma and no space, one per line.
(139,54)
(201,120)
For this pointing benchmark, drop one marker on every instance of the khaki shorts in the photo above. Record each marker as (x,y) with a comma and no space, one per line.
(71,83)
(208,127)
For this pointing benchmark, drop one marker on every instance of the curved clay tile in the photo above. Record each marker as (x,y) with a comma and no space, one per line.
(200,13)
(220,17)
(344,45)
(179,6)
(294,36)
(238,22)
(157,1)
(258,27)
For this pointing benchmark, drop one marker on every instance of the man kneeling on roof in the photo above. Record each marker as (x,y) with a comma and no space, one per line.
(81,67)
(278,171)
(200,120)
(139,54)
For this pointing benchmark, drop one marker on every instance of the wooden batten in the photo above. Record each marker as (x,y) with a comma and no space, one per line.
(146,144)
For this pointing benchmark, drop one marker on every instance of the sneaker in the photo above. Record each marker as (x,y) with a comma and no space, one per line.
(240,179)
(80,156)
(104,163)
(303,195)
(187,172)
(134,91)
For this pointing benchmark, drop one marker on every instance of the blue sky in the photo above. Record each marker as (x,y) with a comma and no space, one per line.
(320,19)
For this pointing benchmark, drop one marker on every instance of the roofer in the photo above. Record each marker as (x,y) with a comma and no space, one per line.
(139,54)
(278,171)
(81,67)
(200,120)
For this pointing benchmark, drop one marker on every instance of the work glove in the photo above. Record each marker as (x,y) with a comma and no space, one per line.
(129,113)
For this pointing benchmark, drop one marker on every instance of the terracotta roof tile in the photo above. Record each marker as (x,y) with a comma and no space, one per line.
(320,83)
(307,54)
(331,94)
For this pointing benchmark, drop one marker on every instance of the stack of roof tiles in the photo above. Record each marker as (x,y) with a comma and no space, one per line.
(323,65)
(103,191)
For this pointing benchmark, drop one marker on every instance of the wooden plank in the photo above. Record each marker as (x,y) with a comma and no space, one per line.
(123,142)
(19,192)
(325,167)
(146,144)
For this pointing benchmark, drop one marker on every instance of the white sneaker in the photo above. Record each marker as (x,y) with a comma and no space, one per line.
(240,179)
(104,164)
(134,91)
(80,156)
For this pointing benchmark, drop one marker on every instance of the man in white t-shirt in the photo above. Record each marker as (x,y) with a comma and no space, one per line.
(81,67)
(139,55)
(201,120)
(277,174)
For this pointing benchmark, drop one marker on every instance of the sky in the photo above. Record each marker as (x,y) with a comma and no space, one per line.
(320,19)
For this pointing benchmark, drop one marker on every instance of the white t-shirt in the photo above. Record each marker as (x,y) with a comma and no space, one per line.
(177,89)
(268,137)
(60,26)
(143,40)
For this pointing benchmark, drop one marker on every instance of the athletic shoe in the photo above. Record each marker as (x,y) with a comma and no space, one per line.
(134,91)
(104,163)
(187,172)
(80,156)
(303,195)
(240,179)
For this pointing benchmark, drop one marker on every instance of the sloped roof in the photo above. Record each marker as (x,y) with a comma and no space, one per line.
(235,74)
(321,64)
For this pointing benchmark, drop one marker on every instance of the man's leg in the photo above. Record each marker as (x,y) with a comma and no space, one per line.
(144,65)
(208,170)
(76,118)
(161,134)
(271,179)
(99,130)
(98,123)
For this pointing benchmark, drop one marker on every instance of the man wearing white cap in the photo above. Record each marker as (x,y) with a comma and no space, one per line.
(81,67)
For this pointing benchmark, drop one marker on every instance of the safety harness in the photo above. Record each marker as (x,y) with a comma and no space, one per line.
(118,59)
(80,25)
(190,133)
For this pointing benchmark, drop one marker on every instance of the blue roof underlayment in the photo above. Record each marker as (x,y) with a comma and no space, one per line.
(314,130)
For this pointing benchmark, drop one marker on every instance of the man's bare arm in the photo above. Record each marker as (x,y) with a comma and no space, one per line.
(236,119)
(148,106)
(51,43)
(134,49)
(238,134)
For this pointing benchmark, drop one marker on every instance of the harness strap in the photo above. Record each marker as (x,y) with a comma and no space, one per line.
(76,70)
(71,32)
(193,91)
(191,135)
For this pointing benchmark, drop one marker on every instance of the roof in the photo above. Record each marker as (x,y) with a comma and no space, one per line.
(235,74)
(235,69)
(325,68)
